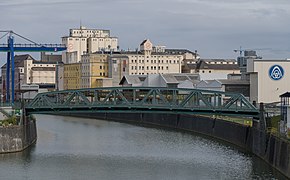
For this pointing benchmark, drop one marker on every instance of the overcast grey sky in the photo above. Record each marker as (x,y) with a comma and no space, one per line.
(212,27)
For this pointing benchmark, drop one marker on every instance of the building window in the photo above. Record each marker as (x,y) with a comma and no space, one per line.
(209,71)
(202,71)
(100,67)
(100,74)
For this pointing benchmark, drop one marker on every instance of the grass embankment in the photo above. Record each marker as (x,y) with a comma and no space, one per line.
(239,120)
(9,121)
(274,125)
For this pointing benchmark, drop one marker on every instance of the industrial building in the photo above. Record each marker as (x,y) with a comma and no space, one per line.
(268,79)
(82,41)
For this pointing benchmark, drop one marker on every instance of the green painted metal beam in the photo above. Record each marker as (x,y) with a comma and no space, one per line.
(127,99)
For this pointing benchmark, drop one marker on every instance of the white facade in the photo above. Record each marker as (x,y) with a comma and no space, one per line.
(38,72)
(83,40)
(149,62)
(263,88)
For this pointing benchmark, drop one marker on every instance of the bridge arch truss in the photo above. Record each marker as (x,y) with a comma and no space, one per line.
(142,99)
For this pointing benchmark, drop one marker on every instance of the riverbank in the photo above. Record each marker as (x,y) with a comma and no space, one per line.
(271,149)
(16,138)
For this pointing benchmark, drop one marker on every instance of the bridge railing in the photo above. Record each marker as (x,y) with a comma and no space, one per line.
(144,98)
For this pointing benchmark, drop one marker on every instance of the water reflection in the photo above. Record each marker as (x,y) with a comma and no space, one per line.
(78,148)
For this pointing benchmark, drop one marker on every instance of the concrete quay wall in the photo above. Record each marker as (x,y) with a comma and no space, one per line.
(17,138)
(273,150)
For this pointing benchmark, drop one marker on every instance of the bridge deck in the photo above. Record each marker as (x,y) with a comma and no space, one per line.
(142,99)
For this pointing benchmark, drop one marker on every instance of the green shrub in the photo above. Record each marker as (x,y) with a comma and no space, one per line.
(9,121)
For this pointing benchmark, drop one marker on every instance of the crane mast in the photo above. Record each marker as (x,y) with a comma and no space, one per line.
(10,48)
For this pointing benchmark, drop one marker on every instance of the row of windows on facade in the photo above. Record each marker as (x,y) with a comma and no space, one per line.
(85,60)
(147,68)
(40,65)
(195,62)
(145,73)
(101,74)
(154,56)
(95,39)
(159,61)
(88,67)
(88,31)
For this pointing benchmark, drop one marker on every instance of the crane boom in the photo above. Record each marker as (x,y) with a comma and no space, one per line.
(11,47)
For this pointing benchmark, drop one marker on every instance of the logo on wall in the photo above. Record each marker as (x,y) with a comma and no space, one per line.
(276,72)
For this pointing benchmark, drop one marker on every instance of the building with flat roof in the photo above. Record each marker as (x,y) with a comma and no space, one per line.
(210,69)
(268,79)
(82,41)
(148,59)
(94,66)
(30,71)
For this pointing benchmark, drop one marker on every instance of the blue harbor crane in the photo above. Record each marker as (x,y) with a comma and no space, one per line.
(11,47)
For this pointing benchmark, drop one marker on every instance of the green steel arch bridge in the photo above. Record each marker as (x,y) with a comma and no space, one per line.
(142,99)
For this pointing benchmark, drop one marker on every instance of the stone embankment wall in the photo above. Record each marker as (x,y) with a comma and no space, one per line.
(273,150)
(17,138)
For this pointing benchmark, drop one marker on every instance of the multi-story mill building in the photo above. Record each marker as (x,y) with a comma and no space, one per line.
(82,41)
(147,60)
(101,68)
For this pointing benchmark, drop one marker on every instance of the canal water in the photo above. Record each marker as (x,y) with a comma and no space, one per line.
(81,149)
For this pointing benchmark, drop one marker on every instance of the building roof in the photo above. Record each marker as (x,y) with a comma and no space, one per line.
(51,58)
(143,42)
(178,51)
(191,66)
(204,65)
(287,94)
(233,82)
(133,79)
(19,60)
(218,60)
(177,78)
